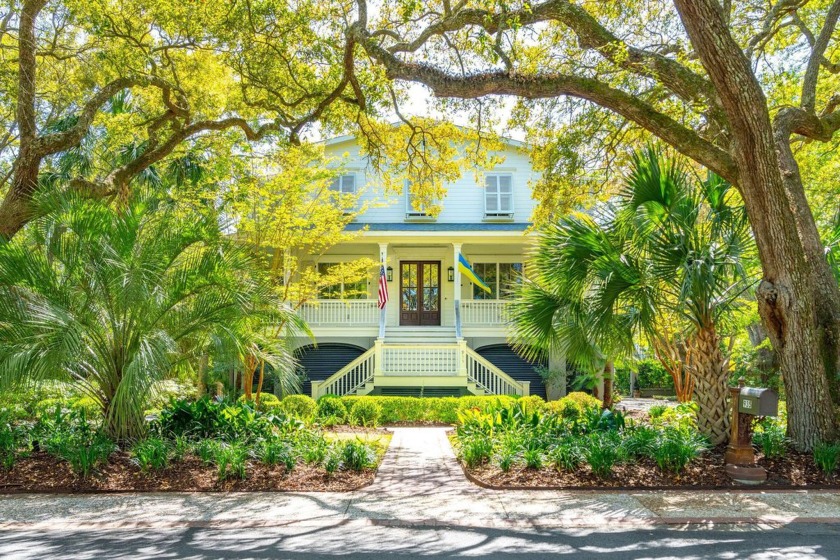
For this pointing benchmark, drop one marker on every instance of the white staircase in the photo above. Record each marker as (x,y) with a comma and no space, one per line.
(420,335)
(415,364)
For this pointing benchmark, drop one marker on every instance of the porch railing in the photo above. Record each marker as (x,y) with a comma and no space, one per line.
(348,379)
(428,359)
(484,312)
(386,361)
(349,312)
(490,378)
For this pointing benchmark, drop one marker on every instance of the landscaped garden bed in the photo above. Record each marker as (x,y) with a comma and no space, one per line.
(193,445)
(574,444)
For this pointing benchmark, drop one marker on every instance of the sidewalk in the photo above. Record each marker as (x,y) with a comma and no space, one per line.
(419,484)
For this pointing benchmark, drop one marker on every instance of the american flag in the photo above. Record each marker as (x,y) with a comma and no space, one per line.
(383,287)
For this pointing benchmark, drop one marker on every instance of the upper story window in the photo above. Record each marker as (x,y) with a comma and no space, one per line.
(413,208)
(498,195)
(344,184)
(342,288)
(501,278)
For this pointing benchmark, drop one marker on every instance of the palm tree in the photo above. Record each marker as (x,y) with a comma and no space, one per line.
(669,247)
(114,299)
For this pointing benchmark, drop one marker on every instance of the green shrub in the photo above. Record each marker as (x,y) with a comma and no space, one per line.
(48,407)
(332,410)
(300,406)
(90,405)
(566,455)
(332,460)
(274,452)
(574,405)
(313,449)
(231,461)
(13,439)
(180,447)
(268,402)
(640,441)
(365,412)
(533,403)
(207,450)
(72,437)
(657,410)
(651,373)
(675,448)
(827,457)
(602,451)
(208,418)
(357,456)
(505,457)
(152,454)
(475,450)
(533,458)
(771,439)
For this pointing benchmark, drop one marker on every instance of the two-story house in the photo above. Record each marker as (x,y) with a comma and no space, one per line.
(439,333)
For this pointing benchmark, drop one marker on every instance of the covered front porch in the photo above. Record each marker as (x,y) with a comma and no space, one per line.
(425,286)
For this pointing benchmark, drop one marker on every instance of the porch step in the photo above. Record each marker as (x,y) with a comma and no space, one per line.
(420,335)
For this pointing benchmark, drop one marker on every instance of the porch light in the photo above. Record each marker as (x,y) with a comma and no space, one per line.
(450,274)
(389,274)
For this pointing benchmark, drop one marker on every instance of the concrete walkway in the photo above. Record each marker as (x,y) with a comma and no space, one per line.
(419,484)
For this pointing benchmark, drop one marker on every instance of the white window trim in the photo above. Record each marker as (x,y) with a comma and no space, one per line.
(498,282)
(499,214)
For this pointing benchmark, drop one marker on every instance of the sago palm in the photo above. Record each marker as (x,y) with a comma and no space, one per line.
(115,298)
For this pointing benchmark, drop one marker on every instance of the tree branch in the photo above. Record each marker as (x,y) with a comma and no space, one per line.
(809,82)
(553,85)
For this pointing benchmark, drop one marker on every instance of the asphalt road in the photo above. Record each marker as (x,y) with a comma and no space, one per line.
(352,540)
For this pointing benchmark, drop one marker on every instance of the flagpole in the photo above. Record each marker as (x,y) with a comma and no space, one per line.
(383,261)
(457,298)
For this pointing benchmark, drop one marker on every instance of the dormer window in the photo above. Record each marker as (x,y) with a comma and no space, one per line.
(413,208)
(498,196)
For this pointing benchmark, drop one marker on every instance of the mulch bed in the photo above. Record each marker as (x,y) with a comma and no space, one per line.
(795,470)
(40,472)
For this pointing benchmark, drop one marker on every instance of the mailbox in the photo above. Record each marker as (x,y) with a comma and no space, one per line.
(758,402)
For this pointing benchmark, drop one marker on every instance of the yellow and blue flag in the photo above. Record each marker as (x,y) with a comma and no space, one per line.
(467,271)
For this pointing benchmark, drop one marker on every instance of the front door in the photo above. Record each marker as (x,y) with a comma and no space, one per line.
(420,293)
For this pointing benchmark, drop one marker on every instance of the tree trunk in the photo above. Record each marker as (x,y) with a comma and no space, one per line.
(798,299)
(709,369)
(609,375)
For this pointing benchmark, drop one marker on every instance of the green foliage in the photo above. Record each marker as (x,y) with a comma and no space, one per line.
(567,455)
(602,451)
(268,403)
(475,449)
(71,437)
(675,448)
(300,406)
(113,297)
(657,410)
(332,410)
(771,438)
(210,418)
(365,412)
(442,410)
(651,373)
(574,405)
(275,452)
(357,456)
(152,454)
(533,458)
(827,457)
(231,460)
(14,440)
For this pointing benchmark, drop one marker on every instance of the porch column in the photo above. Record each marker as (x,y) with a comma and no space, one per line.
(383,261)
(456,253)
